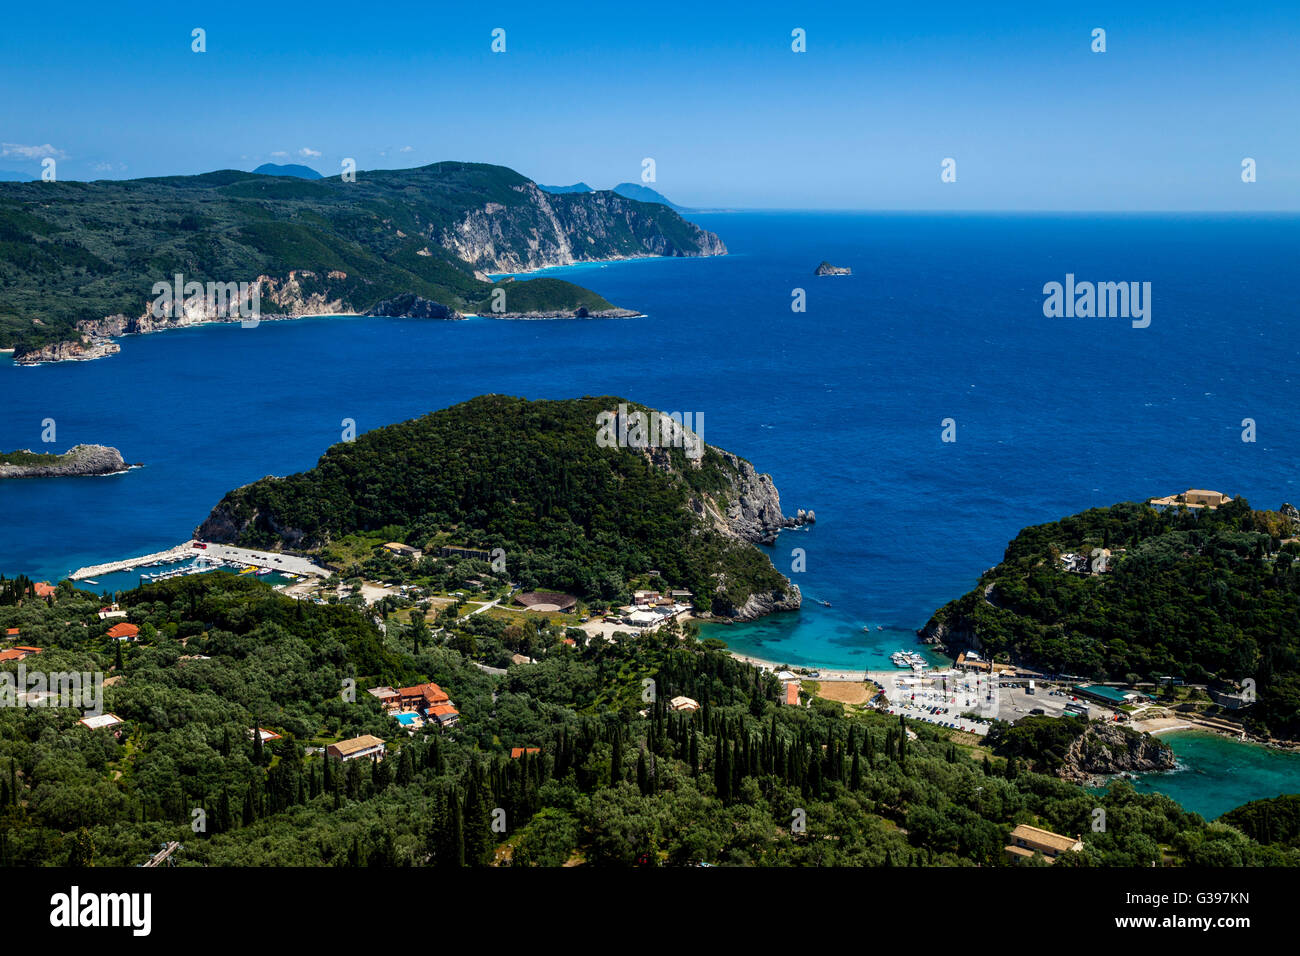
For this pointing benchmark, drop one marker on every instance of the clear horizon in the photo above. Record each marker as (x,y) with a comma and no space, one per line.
(733,117)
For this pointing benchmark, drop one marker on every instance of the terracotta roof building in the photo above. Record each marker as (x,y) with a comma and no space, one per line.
(124,631)
(367,745)
(1027,840)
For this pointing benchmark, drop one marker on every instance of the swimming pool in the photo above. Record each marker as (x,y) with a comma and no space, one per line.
(407,720)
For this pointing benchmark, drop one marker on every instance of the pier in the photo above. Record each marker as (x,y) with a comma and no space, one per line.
(217,553)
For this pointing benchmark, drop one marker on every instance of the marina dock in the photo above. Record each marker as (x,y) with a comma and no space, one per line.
(215,554)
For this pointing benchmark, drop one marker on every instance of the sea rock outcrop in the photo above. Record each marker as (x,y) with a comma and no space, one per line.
(1105,749)
(78,460)
(759,604)
(826,269)
(411,306)
(76,350)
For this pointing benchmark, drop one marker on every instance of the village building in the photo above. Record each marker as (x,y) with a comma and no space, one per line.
(388,698)
(124,632)
(367,745)
(43,589)
(1027,840)
(101,721)
(266,735)
(18,653)
(790,693)
(446,714)
(683,704)
(1193,498)
(516,752)
(111,611)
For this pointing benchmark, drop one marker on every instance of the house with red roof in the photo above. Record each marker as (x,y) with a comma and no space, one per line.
(445,714)
(516,752)
(18,653)
(44,589)
(124,631)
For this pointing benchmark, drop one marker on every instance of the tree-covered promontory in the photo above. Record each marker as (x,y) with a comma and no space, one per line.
(1206,597)
(531,478)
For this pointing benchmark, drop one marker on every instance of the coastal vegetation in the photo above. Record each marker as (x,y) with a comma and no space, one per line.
(1210,597)
(602,775)
(74,255)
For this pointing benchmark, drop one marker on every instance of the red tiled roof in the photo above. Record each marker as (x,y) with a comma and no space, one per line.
(12,632)
(442,710)
(43,589)
(430,693)
(520,751)
(123,630)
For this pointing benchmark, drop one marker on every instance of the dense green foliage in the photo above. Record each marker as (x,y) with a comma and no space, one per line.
(1274,821)
(72,251)
(617,780)
(527,477)
(1214,597)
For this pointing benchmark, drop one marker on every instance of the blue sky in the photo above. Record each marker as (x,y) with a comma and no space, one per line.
(732,117)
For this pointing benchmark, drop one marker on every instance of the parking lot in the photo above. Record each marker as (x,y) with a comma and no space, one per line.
(941,698)
(938,699)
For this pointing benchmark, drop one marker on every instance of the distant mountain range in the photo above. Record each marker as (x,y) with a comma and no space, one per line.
(296,170)
(626,190)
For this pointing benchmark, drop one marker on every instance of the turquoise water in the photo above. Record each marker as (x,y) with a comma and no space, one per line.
(842,404)
(1217,774)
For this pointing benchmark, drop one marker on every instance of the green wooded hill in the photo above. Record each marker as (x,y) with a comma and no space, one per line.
(525,476)
(74,251)
(1207,598)
(602,778)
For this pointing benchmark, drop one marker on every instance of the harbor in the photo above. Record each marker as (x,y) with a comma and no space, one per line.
(197,557)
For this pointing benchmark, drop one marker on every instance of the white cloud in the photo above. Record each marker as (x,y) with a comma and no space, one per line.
(31,152)
(279,154)
(307,151)
(408,149)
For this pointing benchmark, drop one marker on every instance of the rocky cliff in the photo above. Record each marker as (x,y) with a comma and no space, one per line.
(411,306)
(1104,749)
(78,460)
(81,349)
(545,230)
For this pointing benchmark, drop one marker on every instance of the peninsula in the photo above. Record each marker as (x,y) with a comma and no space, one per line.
(92,253)
(1190,607)
(532,479)
(78,460)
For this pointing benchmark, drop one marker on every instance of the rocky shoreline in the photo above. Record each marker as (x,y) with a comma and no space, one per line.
(1105,750)
(80,460)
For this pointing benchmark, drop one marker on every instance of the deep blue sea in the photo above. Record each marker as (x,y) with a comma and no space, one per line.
(842,404)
